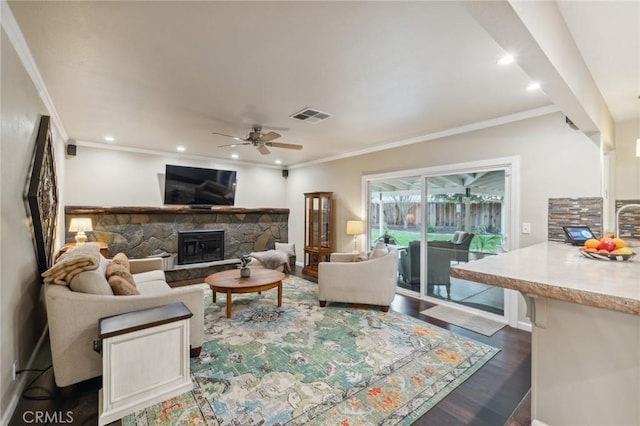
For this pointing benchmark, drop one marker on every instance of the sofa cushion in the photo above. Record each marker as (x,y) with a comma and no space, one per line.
(119,270)
(122,287)
(153,287)
(154,275)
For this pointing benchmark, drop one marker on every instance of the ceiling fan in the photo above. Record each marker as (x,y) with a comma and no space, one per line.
(260,140)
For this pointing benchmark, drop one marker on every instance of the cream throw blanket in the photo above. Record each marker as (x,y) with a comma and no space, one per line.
(83,257)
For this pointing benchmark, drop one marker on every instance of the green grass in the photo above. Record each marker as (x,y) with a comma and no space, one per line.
(481,242)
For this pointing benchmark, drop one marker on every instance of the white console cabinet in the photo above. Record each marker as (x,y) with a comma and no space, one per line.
(145,359)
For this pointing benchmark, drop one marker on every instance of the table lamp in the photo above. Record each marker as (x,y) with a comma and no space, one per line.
(355,228)
(80,225)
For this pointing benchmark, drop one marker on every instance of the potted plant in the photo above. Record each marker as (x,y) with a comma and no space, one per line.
(245,271)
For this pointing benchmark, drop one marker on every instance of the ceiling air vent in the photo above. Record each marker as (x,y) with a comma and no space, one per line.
(311,115)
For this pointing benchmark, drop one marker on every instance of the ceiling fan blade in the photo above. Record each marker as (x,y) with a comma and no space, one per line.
(263,149)
(234,144)
(269,136)
(283,145)
(229,136)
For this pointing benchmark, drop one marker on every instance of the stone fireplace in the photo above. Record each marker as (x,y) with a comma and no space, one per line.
(200,246)
(140,232)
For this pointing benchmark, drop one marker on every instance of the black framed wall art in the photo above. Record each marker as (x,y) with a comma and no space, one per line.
(42,195)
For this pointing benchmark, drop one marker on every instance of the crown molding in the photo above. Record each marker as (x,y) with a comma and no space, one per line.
(172,154)
(10,26)
(485,124)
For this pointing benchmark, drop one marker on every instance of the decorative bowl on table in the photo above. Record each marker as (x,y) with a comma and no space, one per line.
(607,256)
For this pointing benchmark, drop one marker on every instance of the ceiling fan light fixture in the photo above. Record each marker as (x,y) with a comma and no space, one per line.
(261,141)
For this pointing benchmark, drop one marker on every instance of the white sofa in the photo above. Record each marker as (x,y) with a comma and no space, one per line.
(73,317)
(371,282)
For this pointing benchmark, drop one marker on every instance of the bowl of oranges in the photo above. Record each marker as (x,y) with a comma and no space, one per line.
(607,248)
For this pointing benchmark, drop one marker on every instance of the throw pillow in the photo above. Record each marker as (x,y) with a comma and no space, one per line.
(118,270)
(122,287)
(457,237)
(288,248)
(379,250)
(91,282)
(121,259)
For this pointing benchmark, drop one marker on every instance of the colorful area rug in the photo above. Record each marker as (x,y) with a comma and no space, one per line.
(302,364)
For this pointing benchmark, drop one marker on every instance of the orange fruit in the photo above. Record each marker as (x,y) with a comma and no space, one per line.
(592,243)
(619,243)
(603,251)
(590,250)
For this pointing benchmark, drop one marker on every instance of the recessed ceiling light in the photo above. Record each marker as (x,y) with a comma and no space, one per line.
(278,162)
(533,86)
(506,60)
(180,148)
(109,138)
(235,156)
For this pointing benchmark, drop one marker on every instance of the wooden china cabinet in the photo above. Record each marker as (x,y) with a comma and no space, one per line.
(318,230)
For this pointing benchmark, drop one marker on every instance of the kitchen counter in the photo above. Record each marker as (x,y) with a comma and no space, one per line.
(558,271)
(585,316)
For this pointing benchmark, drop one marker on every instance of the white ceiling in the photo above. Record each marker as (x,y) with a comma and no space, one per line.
(156,75)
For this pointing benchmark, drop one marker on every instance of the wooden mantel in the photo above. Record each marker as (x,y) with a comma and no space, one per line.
(77,210)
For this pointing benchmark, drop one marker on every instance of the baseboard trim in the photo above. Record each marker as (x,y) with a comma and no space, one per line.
(22,380)
(526,326)
(538,423)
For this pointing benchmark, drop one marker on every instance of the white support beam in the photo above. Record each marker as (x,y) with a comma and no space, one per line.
(536,33)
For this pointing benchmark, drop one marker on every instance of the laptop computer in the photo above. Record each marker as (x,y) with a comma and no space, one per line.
(577,235)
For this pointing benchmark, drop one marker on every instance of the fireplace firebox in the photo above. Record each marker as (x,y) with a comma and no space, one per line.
(200,246)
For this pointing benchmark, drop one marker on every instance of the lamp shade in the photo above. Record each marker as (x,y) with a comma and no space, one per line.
(355,227)
(80,224)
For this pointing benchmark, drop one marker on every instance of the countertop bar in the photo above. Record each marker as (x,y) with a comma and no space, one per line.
(558,271)
(171,210)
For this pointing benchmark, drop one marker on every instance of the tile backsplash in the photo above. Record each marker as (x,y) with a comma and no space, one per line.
(585,211)
(629,222)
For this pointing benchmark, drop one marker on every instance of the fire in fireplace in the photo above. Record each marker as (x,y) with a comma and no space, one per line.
(200,246)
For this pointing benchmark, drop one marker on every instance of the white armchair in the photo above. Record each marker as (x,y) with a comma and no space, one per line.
(371,282)
(73,318)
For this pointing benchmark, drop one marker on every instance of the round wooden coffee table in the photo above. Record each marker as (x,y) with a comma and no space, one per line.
(230,282)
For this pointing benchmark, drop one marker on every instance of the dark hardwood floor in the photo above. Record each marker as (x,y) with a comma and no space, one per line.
(489,397)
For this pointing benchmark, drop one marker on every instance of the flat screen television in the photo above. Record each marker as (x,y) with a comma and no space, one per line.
(199,187)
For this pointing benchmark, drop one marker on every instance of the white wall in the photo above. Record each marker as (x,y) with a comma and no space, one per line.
(105,177)
(22,316)
(627,165)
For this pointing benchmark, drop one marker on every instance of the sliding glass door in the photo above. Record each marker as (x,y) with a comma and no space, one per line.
(394,217)
(464,219)
(443,216)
